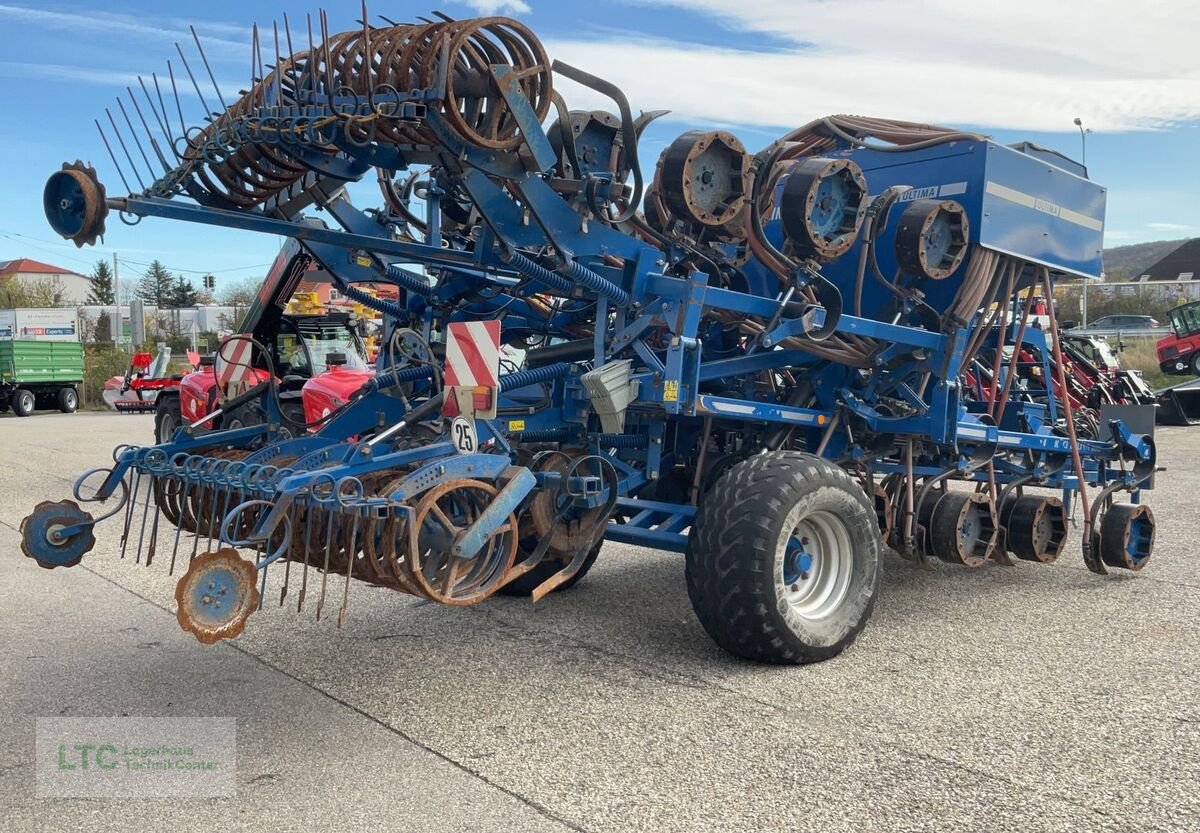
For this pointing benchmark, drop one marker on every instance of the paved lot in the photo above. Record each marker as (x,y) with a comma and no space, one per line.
(1023,699)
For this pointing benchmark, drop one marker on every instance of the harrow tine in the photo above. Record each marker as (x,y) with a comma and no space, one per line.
(137,556)
(325,569)
(153,529)
(178,526)
(351,548)
(308,525)
(137,483)
(294,519)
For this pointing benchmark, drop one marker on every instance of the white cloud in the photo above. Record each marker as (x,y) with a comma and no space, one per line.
(1023,64)
(1169,226)
(492,7)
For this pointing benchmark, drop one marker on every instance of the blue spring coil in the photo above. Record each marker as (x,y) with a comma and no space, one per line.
(539,273)
(599,285)
(622,440)
(407,280)
(544,435)
(515,381)
(404,374)
(377,304)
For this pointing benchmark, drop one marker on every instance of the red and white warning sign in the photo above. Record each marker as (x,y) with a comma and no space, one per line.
(233,362)
(472,369)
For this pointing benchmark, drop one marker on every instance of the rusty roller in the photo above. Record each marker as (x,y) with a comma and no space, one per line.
(959,527)
(1035,527)
(245,167)
(701,177)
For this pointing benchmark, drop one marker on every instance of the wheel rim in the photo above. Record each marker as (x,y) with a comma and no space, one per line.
(816,566)
(166,427)
(70,399)
(27,402)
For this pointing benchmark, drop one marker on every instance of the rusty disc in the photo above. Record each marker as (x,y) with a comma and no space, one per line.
(216,595)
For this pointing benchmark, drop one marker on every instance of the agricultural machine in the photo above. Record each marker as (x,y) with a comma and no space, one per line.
(137,391)
(759,360)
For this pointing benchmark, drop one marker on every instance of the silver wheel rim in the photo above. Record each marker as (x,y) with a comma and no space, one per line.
(166,428)
(27,401)
(819,591)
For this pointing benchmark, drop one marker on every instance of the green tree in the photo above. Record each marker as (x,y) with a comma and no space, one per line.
(182,293)
(239,296)
(103,334)
(31,294)
(102,292)
(155,285)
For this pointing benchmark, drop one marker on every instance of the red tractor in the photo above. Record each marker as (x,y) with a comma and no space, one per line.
(319,361)
(1180,351)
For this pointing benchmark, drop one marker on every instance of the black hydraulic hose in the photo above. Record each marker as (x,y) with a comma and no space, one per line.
(628,129)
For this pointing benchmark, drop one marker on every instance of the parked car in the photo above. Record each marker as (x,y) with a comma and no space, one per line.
(1123,322)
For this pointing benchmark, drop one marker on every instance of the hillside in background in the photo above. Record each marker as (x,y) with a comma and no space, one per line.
(1128,262)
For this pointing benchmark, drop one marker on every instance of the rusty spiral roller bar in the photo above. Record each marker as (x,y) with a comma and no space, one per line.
(245,157)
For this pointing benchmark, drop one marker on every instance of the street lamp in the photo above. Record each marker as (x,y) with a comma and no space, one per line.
(1083,138)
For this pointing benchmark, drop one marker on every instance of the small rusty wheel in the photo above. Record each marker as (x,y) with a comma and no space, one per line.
(1127,536)
(216,595)
(1036,527)
(439,524)
(960,528)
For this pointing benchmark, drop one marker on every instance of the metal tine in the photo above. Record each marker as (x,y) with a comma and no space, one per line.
(136,174)
(388,20)
(328,57)
(351,551)
(153,550)
(112,156)
(308,525)
(367,56)
(293,520)
(133,133)
(312,57)
(209,115)
(199,520)
(287,30)
(204,58)
(178,105)
(278,68)
(137,558)
(328,554)
(178,526)
(262,75)
(137,483)
(253,60)
(161,125)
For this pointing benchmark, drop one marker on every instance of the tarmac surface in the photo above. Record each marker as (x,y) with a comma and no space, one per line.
(1031,698)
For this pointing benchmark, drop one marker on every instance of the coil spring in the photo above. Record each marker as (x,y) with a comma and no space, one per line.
(245,158)
(537,272)
(533,376)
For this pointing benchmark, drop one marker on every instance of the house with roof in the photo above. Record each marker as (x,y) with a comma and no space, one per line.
(71,287)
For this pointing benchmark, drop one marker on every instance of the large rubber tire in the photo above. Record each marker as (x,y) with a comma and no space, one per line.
(743,542)
(526,584)
(68,400)
(24,402)
(167,418)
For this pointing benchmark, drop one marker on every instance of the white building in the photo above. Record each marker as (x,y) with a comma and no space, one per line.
(71,288)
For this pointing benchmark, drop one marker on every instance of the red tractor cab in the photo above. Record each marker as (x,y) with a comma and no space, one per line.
(1180,351)
(325,393)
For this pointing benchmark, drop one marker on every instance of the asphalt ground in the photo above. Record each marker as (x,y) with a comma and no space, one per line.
(1028,698)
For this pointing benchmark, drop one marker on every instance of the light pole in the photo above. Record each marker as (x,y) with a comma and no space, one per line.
(1083,138)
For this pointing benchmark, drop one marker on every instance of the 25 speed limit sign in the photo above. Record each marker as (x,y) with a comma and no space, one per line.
(463,435)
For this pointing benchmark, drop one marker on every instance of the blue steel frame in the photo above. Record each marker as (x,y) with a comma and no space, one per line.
(528,216)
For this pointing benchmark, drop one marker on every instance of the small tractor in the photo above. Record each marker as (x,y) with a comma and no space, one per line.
(779,364)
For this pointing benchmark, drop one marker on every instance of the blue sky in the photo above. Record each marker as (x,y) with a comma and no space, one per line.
(1018,70)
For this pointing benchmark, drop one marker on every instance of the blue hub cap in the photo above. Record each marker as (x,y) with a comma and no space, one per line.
(57,534)
(217,595)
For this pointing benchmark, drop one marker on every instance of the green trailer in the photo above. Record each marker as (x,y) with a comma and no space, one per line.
(40,375)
